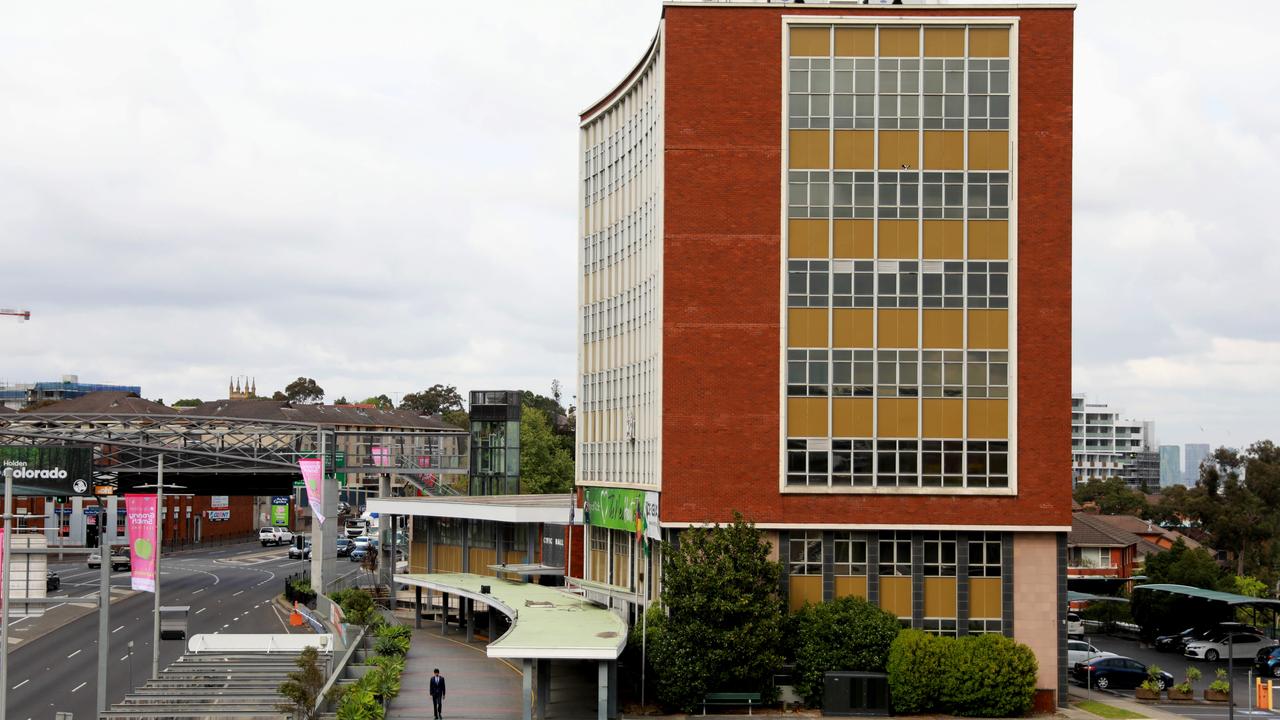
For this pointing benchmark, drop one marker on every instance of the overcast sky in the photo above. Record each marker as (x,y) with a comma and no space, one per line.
(382,196)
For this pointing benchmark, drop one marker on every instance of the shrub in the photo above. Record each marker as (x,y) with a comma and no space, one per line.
(393,646)
(302,689)
(916,668)
(845,634)
(988,676)
(1190,677)
(394,631)
(1220,683)
(359,703)
(357,606)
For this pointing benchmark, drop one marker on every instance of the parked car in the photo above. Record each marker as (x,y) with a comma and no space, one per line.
(1079,651)
(274,536)
(1177,642)
(300,553)
(52,581)
(1203,633)
(1075,626)
(344,546)
(120,559)
(359,553)
(1267,662)
(1115,671)
(1235,644)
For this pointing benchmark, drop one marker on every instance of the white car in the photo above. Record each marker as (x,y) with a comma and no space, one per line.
(1075,626)
(1079,651)
(1243,646)
(274,536)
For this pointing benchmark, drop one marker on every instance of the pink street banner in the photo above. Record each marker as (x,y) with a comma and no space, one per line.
(312,477)
(141,514)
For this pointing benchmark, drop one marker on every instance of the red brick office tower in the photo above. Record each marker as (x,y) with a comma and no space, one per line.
(826,282)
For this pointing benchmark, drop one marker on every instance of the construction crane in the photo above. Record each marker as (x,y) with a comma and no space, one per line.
(22,315)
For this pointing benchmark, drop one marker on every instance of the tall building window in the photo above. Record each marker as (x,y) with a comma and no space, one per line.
(850,554)
(895,553)
(988,373)
(899,94)
(809,105)
(943,195)
(805,553)
(898,283)
(942,373)
(898,377)
(808,283)
(940,554)
(942,284)
(944,94)
(807,462)
(943,463)
(988,94)
(851,373)
(809,193)
(988,284)
(896,463)
(852,282)
(851,463)
(807,373)
(988,195)
(853,194)
(854,100)
(984,554)
(987,463)
(900,194)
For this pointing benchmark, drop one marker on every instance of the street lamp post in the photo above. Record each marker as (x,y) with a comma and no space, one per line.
(159,488)
(4,610)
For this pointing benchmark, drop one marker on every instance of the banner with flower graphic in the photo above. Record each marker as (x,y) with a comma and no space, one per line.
(142,514)
(313,478)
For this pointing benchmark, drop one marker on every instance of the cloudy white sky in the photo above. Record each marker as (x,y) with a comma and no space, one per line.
(381,196)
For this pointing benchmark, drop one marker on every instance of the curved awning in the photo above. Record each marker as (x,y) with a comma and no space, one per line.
(546,622)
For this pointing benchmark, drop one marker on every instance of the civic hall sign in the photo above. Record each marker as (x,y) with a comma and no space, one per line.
(49,471)
(617,509)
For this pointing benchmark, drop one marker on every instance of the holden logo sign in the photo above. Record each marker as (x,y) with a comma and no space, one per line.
(80,486)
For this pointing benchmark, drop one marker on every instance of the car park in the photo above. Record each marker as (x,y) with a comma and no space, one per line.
(274,536)
(1115,671)
(300,553)
(1079,651)
(52,581)
(1235,644)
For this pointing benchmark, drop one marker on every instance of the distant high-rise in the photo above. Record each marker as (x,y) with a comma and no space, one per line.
(1170,465)
(1104,445)
(1195,454)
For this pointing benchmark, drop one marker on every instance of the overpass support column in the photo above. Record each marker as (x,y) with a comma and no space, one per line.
(544,686)
(417,606)
(444,613)
(470,611)
(526,690)
(613,688)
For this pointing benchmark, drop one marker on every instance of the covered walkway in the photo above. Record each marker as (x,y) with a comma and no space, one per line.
(546,624)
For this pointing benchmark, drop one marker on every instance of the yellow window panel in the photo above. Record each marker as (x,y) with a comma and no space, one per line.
(898,239)
(896,417)
(899,149)
(802,590)
(811,41)
(854,239)
(989,329)
(895,595)
(855,42)
(984,598)
(988,239)
(899,41)
(807,417)
(851,586)
(988,42)
(943,328)
(852,328)
(807,327)
(943,150)
(989,419)
(896,328)
(855,149)
(806,238)
(989,150)
(942,418)
(944,42)
(944,239)
(809,148)
(851,417)
(940,597)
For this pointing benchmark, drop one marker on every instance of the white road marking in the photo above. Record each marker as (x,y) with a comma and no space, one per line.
(201,610)
(238,592)
(24,682)
(79,686)
(198,591)
(113,632)
(123,658)
(74,654)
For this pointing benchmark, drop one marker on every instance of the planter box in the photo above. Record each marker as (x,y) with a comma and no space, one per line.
(1215,696)
(1147,695)
(1178,695)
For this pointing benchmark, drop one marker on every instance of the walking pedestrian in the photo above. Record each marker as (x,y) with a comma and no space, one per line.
(436,687)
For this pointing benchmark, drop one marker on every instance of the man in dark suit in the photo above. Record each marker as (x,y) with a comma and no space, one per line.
(436,686)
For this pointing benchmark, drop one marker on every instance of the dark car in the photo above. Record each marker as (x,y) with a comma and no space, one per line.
(1115,672)
(52,581)
(344,546)
(359,553)
(296,553)
(1177,642)
(1267,662)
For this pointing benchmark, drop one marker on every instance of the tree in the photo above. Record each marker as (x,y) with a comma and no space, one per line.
(457,418)
(723,623)
(277,395)
(547,405)
(435,400)
(303,687)
(342,400)
(1180,565)
(545,466)
(188,402)
(304,390)
(1113,496)
(846,634)
(382,402)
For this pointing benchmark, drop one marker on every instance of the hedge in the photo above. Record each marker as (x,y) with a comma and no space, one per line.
(977,675)
(846,634)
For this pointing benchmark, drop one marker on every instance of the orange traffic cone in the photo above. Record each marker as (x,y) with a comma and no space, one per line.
(295,617)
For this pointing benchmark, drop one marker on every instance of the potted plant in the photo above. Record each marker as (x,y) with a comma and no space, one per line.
(1219,690)
(1184,690)
(1150,688)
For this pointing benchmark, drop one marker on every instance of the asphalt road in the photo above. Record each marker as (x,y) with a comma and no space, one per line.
(1176,666)
(229,589)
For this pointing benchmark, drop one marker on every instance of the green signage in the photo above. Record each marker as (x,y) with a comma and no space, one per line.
(280,510)
(49,470)
(618,508)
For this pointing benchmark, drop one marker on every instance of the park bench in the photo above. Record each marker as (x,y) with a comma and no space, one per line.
(750,699)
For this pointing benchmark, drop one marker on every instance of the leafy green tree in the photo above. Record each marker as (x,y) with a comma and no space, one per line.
(188,402)
(303,687)
(724,615)
(457,418)
(304,390)
(1181,565)
(277,395)
(382,402)
(435,400)
(545,466)
(989,675)
(342,400)
(846,634)
(1112,496)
